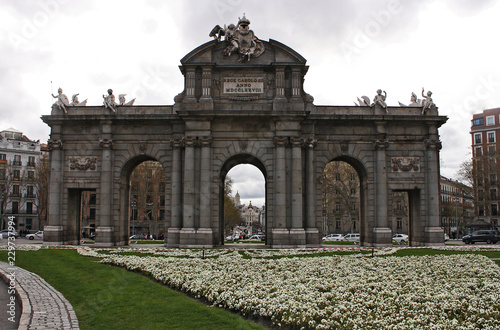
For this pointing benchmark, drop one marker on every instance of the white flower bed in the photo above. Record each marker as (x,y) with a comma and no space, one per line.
(435,292)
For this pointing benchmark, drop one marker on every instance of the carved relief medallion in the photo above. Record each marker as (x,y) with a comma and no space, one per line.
(405,164)
(82,163)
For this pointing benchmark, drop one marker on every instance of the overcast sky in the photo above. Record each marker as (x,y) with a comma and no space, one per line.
(352,47)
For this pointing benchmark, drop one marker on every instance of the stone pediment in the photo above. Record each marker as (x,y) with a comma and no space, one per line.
(212,53)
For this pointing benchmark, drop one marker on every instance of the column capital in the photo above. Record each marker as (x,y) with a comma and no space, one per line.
(206,141)
(176,143)
(55,144)
(381,144)
(280,141)
(297,142)
(189,141)
(433,144)
(106,143)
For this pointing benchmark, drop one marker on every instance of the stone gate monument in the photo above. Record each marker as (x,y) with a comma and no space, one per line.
(243,103)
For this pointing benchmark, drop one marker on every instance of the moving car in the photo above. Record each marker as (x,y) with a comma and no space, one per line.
(488,236)
(352,237)
(256,238)
(37,235)
(334,237)
(398,238)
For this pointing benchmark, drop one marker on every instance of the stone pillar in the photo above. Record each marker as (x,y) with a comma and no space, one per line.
(297,232)
(172,238)
(296,81)
(190,85)
(53,232)
(187,233)
(104,229)
(382,234)
(312,232)
(280,83)
(204,233)
(433,232)
(206,84)
(279,227)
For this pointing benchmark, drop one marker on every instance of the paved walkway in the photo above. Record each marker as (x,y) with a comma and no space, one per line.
(42,306)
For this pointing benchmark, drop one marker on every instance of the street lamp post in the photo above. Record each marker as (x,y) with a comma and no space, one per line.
(133,204)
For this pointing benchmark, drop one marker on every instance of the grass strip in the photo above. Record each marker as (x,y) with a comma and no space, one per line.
(107,297)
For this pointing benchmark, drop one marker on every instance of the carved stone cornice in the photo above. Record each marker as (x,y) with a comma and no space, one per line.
(55,144)
(106,143)
(433,144)
(82,163)
(381,144)
(405,164)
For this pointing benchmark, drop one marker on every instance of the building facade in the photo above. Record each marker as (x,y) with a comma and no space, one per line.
(457,207)
(244,107)
(485,134)
(19,163)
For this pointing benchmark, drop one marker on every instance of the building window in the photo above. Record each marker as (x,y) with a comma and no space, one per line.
(31,161)
(337,207)
(493,194)
(399,206)
(353,191)
(491,151)
(494,209)
(479,151)
(16,175)
(493,179)
(17,160)
(29,223)
(490,120)
(353,224)
(15,190)
(15,207)
(30,192)
(478,121)
(29,208)
(337,224)
(31,176)
(92,213)
(491,137)
(477,138)
(2,173)
(399,223)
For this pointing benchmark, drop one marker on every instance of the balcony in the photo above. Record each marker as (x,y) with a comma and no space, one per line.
(17,163)
(29,195)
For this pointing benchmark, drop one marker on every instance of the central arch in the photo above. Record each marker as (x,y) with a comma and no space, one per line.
(225,168)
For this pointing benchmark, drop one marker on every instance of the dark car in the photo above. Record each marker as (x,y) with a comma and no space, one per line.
(488,236)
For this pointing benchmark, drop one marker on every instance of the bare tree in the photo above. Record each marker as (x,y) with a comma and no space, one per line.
(41,184)
(232,216)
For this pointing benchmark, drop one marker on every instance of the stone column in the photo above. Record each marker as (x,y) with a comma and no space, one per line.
(279,229)
(296,88)
(204,233)
(172,238)
(297,232)
(53,232)
(312,232)
(190,85)
(104,229)
(433,232)
(187,232)
(206,84)
(382,234)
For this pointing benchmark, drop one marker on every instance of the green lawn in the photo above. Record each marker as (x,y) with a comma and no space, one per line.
(107,297)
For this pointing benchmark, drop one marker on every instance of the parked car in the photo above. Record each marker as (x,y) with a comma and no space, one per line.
(256,238)
(6,233)
(137,236)
(398,238)
(352,237)
(488,236)
(37,235)
(334,237)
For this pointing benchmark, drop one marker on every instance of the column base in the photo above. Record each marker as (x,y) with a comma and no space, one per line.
(313,237)
(53,235)
(172,238)
(104,236)
(434,236)
(382,236)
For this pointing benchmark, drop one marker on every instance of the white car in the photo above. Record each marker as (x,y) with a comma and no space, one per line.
(398,238)
(37,235)
(352,237)
(334,237)
(6,233)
